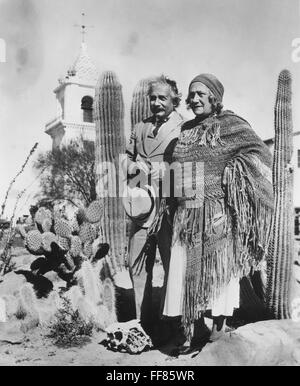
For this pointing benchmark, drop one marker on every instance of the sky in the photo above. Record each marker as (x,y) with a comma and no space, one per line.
(245,43)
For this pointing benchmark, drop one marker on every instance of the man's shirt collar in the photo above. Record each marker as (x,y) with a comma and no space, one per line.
(157,123)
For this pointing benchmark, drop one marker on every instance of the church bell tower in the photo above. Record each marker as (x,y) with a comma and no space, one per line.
(74,100)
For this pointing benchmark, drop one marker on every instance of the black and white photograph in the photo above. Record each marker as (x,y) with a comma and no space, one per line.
(150,185)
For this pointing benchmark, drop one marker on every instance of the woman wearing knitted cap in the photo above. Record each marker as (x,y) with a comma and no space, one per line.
(220,229)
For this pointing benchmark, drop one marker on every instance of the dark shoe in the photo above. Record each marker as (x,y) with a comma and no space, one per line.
(186,350)
(201,337)
(179,338)
(181,350)
(217,334)
(196,346)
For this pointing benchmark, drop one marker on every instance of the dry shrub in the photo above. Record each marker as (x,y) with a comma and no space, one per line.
(69,328)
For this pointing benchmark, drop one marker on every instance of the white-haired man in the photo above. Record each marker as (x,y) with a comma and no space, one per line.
(152,142)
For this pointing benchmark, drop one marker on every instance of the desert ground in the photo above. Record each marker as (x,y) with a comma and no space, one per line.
(269,342)
(272,343)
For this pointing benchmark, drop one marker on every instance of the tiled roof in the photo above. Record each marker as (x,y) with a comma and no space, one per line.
(84,69)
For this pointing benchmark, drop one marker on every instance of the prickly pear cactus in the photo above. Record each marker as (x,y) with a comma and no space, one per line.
(47,239)
(281,247)
(68,244)
(94,212)
(62,228)
(33,241)
(140,105)
(42,214)
(110,143)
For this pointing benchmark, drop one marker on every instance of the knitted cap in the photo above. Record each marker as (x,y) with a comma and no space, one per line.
(212,83)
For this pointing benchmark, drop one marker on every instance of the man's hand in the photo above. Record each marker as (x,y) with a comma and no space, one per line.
(143,166)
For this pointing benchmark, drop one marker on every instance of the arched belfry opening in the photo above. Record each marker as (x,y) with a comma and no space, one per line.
(74,100)
(87,108)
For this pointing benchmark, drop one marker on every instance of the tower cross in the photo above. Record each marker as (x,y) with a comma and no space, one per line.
(83,27)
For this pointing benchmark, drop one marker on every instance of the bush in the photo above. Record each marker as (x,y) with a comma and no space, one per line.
(20,314)
(69,328)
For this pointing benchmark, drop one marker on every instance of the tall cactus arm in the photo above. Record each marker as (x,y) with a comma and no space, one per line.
(110,143)
(140,105)
(281,249)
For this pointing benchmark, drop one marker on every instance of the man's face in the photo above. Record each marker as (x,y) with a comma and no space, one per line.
(161,103)
(199,99)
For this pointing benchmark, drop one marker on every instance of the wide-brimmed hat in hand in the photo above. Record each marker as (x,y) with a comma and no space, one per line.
(140,204)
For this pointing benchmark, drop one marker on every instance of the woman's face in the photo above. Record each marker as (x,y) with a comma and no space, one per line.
(199,99)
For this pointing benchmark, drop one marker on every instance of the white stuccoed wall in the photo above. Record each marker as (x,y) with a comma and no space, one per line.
(296,142)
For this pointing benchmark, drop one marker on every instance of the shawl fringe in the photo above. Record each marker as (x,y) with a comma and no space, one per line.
(221,246)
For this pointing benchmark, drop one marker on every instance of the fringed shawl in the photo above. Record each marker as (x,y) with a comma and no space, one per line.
(225,228)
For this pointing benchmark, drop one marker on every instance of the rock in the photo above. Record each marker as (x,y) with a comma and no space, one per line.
(2,311)
(47,308)
(12,305)
(267,343)
(41,285)
(23,261)
(28,260)
(296,355)
(29,324)
(11,333)
(11,284)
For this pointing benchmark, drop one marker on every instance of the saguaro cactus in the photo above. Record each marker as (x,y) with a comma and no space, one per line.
(281,247)
(140,105)
(110,143)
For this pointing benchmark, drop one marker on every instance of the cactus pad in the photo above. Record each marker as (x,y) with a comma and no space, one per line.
(33,241)
(76,246)
(88,249)
(42,214)
(64,243)
(75,226)
(94,212)
(87,232)
(47,239)
(47,224)
(69,260)
(62,228)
